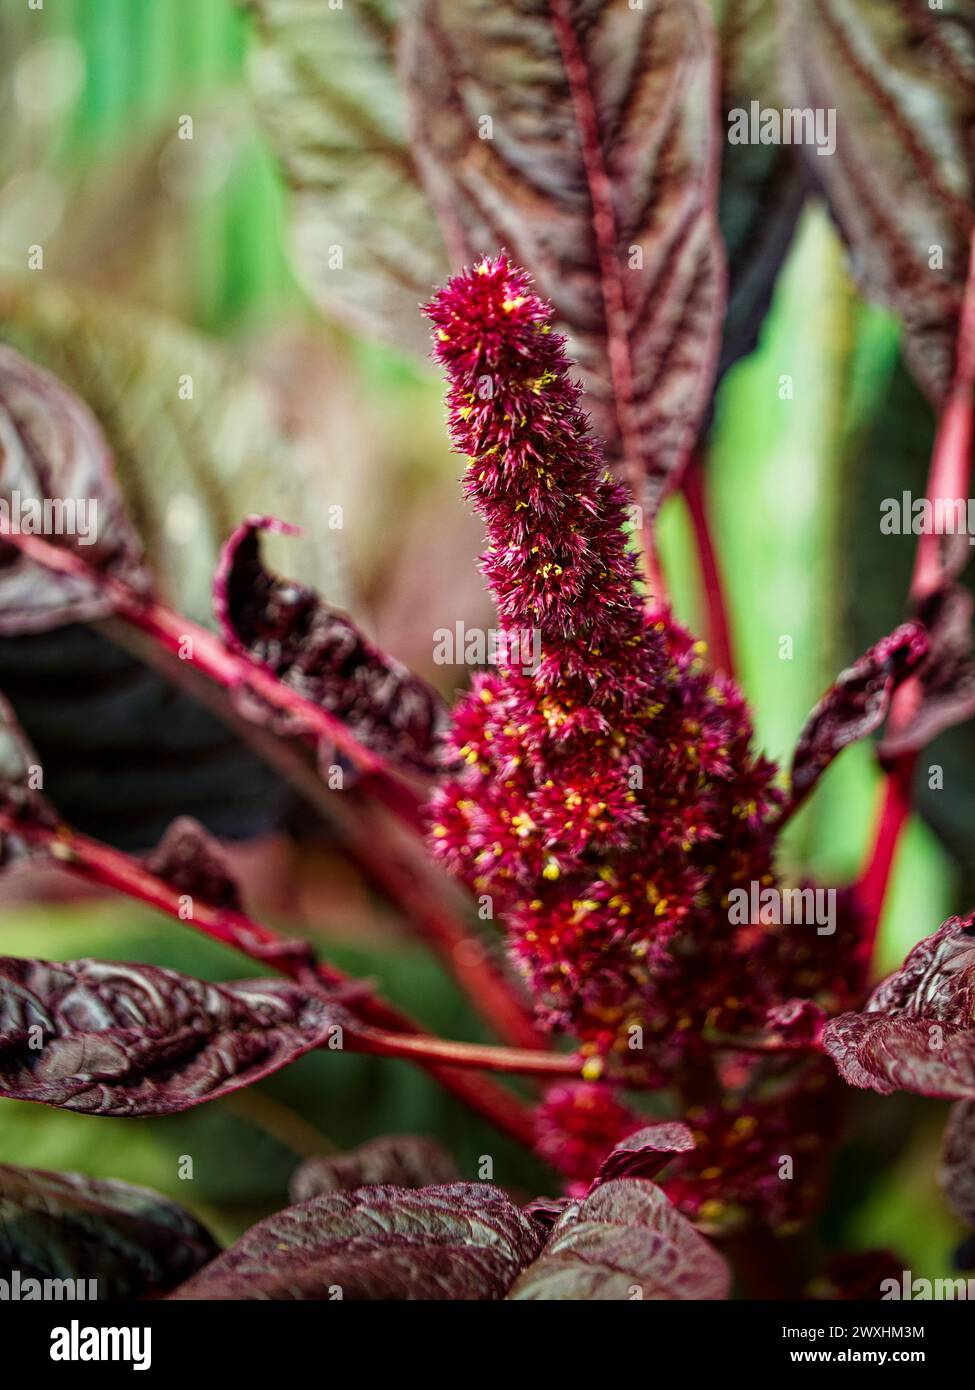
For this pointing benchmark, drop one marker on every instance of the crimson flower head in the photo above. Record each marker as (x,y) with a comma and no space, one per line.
(609,799)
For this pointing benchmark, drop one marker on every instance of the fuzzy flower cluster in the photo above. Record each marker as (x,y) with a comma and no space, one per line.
(609,800)
(751,1154)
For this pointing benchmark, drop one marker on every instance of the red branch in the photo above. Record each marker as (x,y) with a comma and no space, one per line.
(611,279)
(718,627)
(383,1031)
(417,890)
(234,672)
(949,478)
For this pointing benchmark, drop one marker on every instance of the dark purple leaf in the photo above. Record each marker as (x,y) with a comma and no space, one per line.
(856,705)
(125,751)
(21,797)
(917,1032)
(126,1239)
(643,1153)
(957,1172)
(191,861)
(625,1241)
(459,1241)
(321,655)
(762,186)
(52,451)
(796,1023)
(900,75)
(398,1160)
(109,1038)
(545,1211)
(581,135)
(364,238)
(947,676)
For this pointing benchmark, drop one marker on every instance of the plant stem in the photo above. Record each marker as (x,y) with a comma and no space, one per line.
(949,478)
(420,1047)
(280,1122)
(405,876)
(718,630)
(420,889)
(893,815)
(383,1031)
(611,279)
(951,462)
(235,672)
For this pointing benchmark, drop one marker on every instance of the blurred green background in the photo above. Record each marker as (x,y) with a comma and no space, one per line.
(160,260)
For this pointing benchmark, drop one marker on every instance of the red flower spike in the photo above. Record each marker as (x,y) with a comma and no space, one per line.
(610,799)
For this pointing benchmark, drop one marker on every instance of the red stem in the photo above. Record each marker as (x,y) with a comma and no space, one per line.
(718,630)
(611,279)
(949,478)
(233,671)
(414,888)
(951,462)
(384,1031)
(418,888)
(894,813)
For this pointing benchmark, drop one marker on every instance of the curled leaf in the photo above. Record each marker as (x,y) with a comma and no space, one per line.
(900,76)
(582,137)
(109,1038)
(856,705)
(321,655)
(917,1032)
(21,800)
(57,480)
(946,677)
(458,1241)
(545,1211)
(625,1241)
(397,1160)
(643,1153)
(127,1240)
(191,861)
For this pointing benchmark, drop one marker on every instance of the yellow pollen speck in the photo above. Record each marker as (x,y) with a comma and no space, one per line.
(592,1068)
(551,870)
